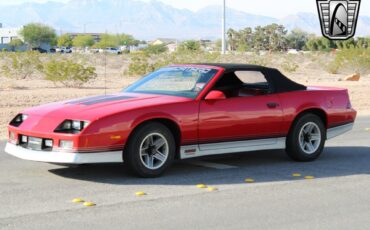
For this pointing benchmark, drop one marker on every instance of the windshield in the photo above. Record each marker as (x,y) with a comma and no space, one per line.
(176,81)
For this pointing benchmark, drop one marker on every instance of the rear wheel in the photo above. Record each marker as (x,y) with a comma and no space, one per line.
(150,150)
(307,138)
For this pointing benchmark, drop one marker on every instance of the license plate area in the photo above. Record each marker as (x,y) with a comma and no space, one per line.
(34,143)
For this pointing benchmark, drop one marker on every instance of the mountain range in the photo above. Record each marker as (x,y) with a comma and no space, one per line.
(149,20)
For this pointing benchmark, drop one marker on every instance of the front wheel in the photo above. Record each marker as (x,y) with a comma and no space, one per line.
(307,138)
(150,150)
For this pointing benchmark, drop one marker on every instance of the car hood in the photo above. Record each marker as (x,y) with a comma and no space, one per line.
(92,108)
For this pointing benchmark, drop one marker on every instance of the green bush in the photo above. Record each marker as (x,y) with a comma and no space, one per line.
(68,73)
(190,45)
(289,65)
(333,67)
(21,65)
(156,49)
(259,60)
(352,59)
(138,66)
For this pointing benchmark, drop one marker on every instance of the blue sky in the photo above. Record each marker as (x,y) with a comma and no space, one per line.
(273,8)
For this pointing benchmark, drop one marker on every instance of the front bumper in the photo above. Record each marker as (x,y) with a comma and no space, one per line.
(63,157)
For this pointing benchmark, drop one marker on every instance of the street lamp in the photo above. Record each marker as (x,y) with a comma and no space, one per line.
(223,27)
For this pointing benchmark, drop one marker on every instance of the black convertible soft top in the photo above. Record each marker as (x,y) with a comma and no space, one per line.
(279,81)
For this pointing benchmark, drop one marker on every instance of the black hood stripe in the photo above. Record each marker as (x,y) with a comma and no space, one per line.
(82,100)
(107,99)
(98,99)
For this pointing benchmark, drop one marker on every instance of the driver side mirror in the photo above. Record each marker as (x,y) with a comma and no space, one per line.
(215,95)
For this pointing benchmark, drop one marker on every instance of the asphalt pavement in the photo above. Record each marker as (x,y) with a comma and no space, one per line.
(39,196)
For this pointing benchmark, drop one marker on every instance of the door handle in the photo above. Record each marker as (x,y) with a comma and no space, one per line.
(272,105)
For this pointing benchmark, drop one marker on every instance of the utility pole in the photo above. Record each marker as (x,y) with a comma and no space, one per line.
(224,27)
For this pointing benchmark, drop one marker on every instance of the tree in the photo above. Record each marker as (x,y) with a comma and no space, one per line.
(35,34)
(107,40)
(65,40)
(83,41)
(15,43)
(346,44)
(320,44)
(127,40)
(363,42)
(275,34)
(233,39)
(312,45)
(190,45)
(297,39)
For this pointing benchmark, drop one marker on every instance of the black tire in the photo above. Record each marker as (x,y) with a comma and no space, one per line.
(132,157)
(294,147)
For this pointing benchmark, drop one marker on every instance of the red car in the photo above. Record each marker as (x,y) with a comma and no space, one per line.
(185,111)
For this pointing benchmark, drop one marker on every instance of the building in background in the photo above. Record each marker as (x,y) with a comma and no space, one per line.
(164,41)
(170,43)
(7,35)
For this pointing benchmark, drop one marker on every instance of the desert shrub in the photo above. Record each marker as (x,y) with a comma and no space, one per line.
(259,60)
(190,45)
(139,65)
(289,65)
(352,59)
(333,67)
(68,73)
(21,65)
(156,49)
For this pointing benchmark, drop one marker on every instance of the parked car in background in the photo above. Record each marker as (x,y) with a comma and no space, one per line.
(111,50)
(94,50)
(62,49)
(40,50)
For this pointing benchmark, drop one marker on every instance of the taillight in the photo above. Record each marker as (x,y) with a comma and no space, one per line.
(349,105)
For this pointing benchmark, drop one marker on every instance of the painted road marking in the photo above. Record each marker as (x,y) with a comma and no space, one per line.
(78,200)
(89,204)
(201,186)
(249,180)
(212,165)
(140,194)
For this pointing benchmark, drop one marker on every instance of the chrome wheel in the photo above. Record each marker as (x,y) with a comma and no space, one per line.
(154,151)
(310,138)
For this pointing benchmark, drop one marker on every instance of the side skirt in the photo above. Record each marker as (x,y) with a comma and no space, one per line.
(191,151)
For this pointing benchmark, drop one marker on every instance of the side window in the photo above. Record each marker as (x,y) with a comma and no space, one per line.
(254,83)
(251,77)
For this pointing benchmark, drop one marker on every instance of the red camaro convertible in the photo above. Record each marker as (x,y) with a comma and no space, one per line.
(185,111)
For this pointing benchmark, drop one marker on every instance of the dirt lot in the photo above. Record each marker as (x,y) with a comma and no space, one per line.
(17,95)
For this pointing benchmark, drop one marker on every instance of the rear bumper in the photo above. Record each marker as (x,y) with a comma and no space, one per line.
(339,130)
(63,157)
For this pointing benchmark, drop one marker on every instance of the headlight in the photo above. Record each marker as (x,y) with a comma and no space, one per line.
(71,126)
(18,120)
(66,144)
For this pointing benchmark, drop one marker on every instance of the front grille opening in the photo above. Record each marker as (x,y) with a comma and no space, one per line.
(35,143)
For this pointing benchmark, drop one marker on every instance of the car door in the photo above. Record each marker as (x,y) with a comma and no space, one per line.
(251,114)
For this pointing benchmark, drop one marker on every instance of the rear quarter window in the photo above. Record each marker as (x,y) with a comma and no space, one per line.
(251,77)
